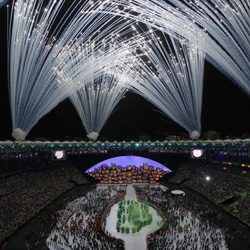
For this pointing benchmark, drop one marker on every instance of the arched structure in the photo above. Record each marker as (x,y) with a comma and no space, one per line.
(128,160)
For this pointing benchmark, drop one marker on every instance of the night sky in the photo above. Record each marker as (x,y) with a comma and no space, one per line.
(225,110)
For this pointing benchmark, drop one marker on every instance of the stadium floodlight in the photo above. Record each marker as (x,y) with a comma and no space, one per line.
(208,178)
(197,153)
(58,155)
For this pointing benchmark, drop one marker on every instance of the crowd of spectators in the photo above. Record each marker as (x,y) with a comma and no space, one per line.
(188,222)
(78,226)
(222,186)
(186,225)
(22,196)
(18,162)
(131,174)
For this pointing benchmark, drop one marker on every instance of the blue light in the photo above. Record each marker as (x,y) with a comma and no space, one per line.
(129,160)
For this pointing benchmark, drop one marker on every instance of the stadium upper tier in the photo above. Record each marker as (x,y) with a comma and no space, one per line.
(148,146)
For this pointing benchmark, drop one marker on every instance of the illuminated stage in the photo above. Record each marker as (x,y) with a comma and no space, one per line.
(129,160)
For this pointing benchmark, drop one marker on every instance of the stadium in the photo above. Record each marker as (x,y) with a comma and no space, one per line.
(124,125)
(51,199)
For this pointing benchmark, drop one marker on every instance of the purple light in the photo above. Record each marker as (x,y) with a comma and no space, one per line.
(129,160)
